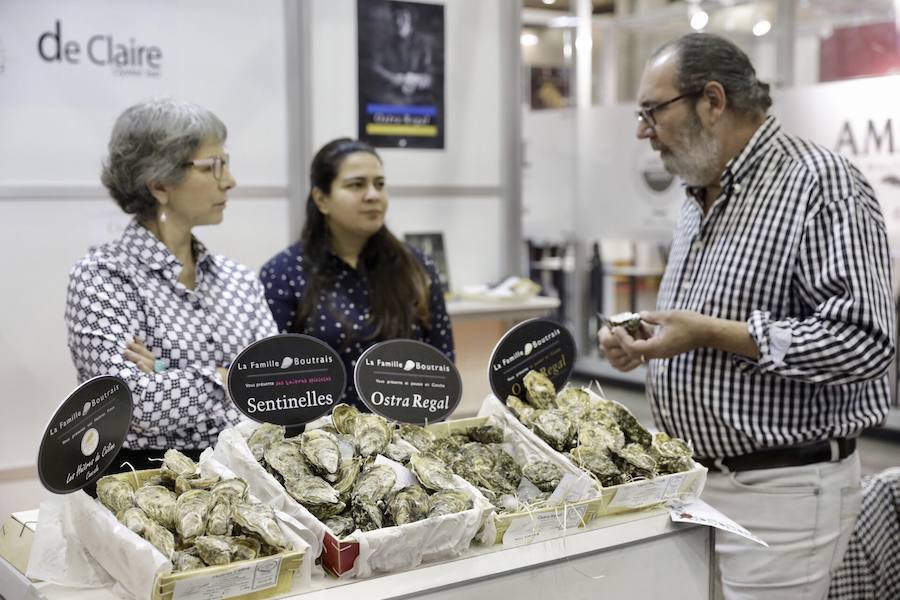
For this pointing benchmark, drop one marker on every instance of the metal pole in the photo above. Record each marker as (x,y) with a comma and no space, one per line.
(511,153)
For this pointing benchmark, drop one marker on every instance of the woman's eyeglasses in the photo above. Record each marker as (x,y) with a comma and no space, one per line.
(216,164)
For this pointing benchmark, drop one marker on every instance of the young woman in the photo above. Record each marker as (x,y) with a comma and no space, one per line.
(349,281)
(155,307)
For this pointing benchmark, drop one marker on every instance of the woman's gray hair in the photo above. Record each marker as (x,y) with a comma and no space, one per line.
(151,142)
(704,57)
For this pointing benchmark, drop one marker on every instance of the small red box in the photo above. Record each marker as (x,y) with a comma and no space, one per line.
(337,556)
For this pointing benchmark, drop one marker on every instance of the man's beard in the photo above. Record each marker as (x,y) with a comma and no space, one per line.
(694,156)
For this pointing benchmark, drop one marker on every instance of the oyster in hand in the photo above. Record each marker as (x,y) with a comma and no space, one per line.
(544,474)
(539,390)
(115,494)
(629,320)
(447,502)
(433,473)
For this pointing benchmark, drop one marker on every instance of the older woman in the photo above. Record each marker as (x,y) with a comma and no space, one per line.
(349,281)
(155,307)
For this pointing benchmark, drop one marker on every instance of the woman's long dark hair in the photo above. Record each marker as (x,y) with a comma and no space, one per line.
(398,284)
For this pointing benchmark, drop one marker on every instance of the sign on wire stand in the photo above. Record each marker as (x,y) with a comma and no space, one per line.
(537,344)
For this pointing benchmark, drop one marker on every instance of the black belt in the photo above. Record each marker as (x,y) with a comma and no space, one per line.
(785,456)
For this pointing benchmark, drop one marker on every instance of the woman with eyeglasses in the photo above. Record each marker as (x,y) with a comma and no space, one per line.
(349,281)
(155,307)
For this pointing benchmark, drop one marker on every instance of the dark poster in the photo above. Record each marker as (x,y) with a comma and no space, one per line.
(401,73)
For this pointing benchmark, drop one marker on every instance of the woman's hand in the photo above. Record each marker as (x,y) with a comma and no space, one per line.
(137,352)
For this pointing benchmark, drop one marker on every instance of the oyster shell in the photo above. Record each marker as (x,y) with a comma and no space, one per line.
(603,435)
(544,474)
(185,483)
(159,536)
(507,473)
(447,448)
(433,473)
(315,494)
(320,449)
(636,461)
(259,519)
(554,427)
(244,548)
(347,476)
(672,455)
(372,434)
(340,525)
(373,484)
(192,512)
(219,521)
(400,451)
(597,462)
(214,549)
(633,430)
(575,402)
(344,418)
(185,561)
(539,390)
(476,463)
(446,502)
(175,463)
(233,490)
(159,504)
(262,437)
(367,516)
(629,320)
(134,519)
(416,435)
(286,459)
(486,434)
(408,505)
(115,494)
(524,412)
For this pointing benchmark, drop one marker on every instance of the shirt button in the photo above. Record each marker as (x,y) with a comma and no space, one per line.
(686,286)
(698,245)
(737,188)
(210,339)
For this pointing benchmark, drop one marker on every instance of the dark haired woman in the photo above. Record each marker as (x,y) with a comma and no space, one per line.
(349,281)
(155,307)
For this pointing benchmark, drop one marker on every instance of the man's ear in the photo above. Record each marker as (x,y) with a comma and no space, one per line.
(320,200)
(716,101)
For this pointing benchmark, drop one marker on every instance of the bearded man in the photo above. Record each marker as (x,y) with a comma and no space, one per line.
(774,328)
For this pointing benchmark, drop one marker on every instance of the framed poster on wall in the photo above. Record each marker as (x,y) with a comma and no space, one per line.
(401,73)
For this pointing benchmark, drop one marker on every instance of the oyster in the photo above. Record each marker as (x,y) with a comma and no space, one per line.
(635,461)
(575,402)
(524,412)
(408,505)
(544,474)
(372,433)
(433,473)
(629,320)
(367,516)
(185,561)
(554,427)
(400,451)
(341,526)
(347,475)
(160,537)
(244,548)
(446,502)
(159,504)
(115,494)
(286,459)
(233,490)
(603,435)
(192,512)
(447,448)
(476,463)
(672,455)
(185,483)
(597,462)
(320,449)
(175,463)
(344,418)
(486,434)
(539,390)
(374,483)
(416,435)
(262,437)
(259,519)
(219,521)
(214,549)
(507,474)
(134,519)
(316,495)
(633,430)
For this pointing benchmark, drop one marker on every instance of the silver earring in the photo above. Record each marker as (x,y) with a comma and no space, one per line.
(162,216)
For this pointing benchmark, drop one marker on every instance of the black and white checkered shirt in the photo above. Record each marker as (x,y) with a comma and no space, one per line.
(130,288)
(795,246)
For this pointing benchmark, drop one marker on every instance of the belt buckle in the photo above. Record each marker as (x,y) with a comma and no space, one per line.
(835,449)
(720,465)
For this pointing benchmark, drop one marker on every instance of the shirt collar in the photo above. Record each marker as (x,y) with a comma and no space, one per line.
(147,249)
(736,168)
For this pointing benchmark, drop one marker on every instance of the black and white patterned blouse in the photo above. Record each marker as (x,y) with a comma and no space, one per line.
(345,309)
(130,288)
(796,247)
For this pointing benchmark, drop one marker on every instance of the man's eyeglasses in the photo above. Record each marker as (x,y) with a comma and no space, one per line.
(646,114)
(216,164)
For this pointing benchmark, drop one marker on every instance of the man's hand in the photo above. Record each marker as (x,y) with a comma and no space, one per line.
(680,331)
(615,348)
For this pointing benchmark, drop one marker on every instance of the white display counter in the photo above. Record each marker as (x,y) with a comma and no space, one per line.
(635,555)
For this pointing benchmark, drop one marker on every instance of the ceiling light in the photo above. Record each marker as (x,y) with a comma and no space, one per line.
(761,28)
(549,1)
(699,20)
(528,39)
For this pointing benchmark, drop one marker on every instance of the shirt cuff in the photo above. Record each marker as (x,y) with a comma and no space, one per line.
(772,340)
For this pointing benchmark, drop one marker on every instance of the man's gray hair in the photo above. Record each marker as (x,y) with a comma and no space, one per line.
(704,57)
(151,142)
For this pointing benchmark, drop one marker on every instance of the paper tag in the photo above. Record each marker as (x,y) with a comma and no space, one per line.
(638,494)
(673,485)
(572,488)
(543,526)
(405,477)
(698,511)
(240,580)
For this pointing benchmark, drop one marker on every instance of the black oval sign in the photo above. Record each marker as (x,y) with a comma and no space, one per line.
(537,344)
(85,434)
(286,379)
(408,381)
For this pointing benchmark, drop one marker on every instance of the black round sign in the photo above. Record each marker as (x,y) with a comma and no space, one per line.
(286,379)
(408,381)
(537,344)
(85,434)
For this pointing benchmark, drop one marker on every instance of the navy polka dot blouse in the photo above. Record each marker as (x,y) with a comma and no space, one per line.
(343,312)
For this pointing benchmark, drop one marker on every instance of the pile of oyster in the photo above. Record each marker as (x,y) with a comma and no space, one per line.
(194,521)
(332,471)
(477,454)
(599,435)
